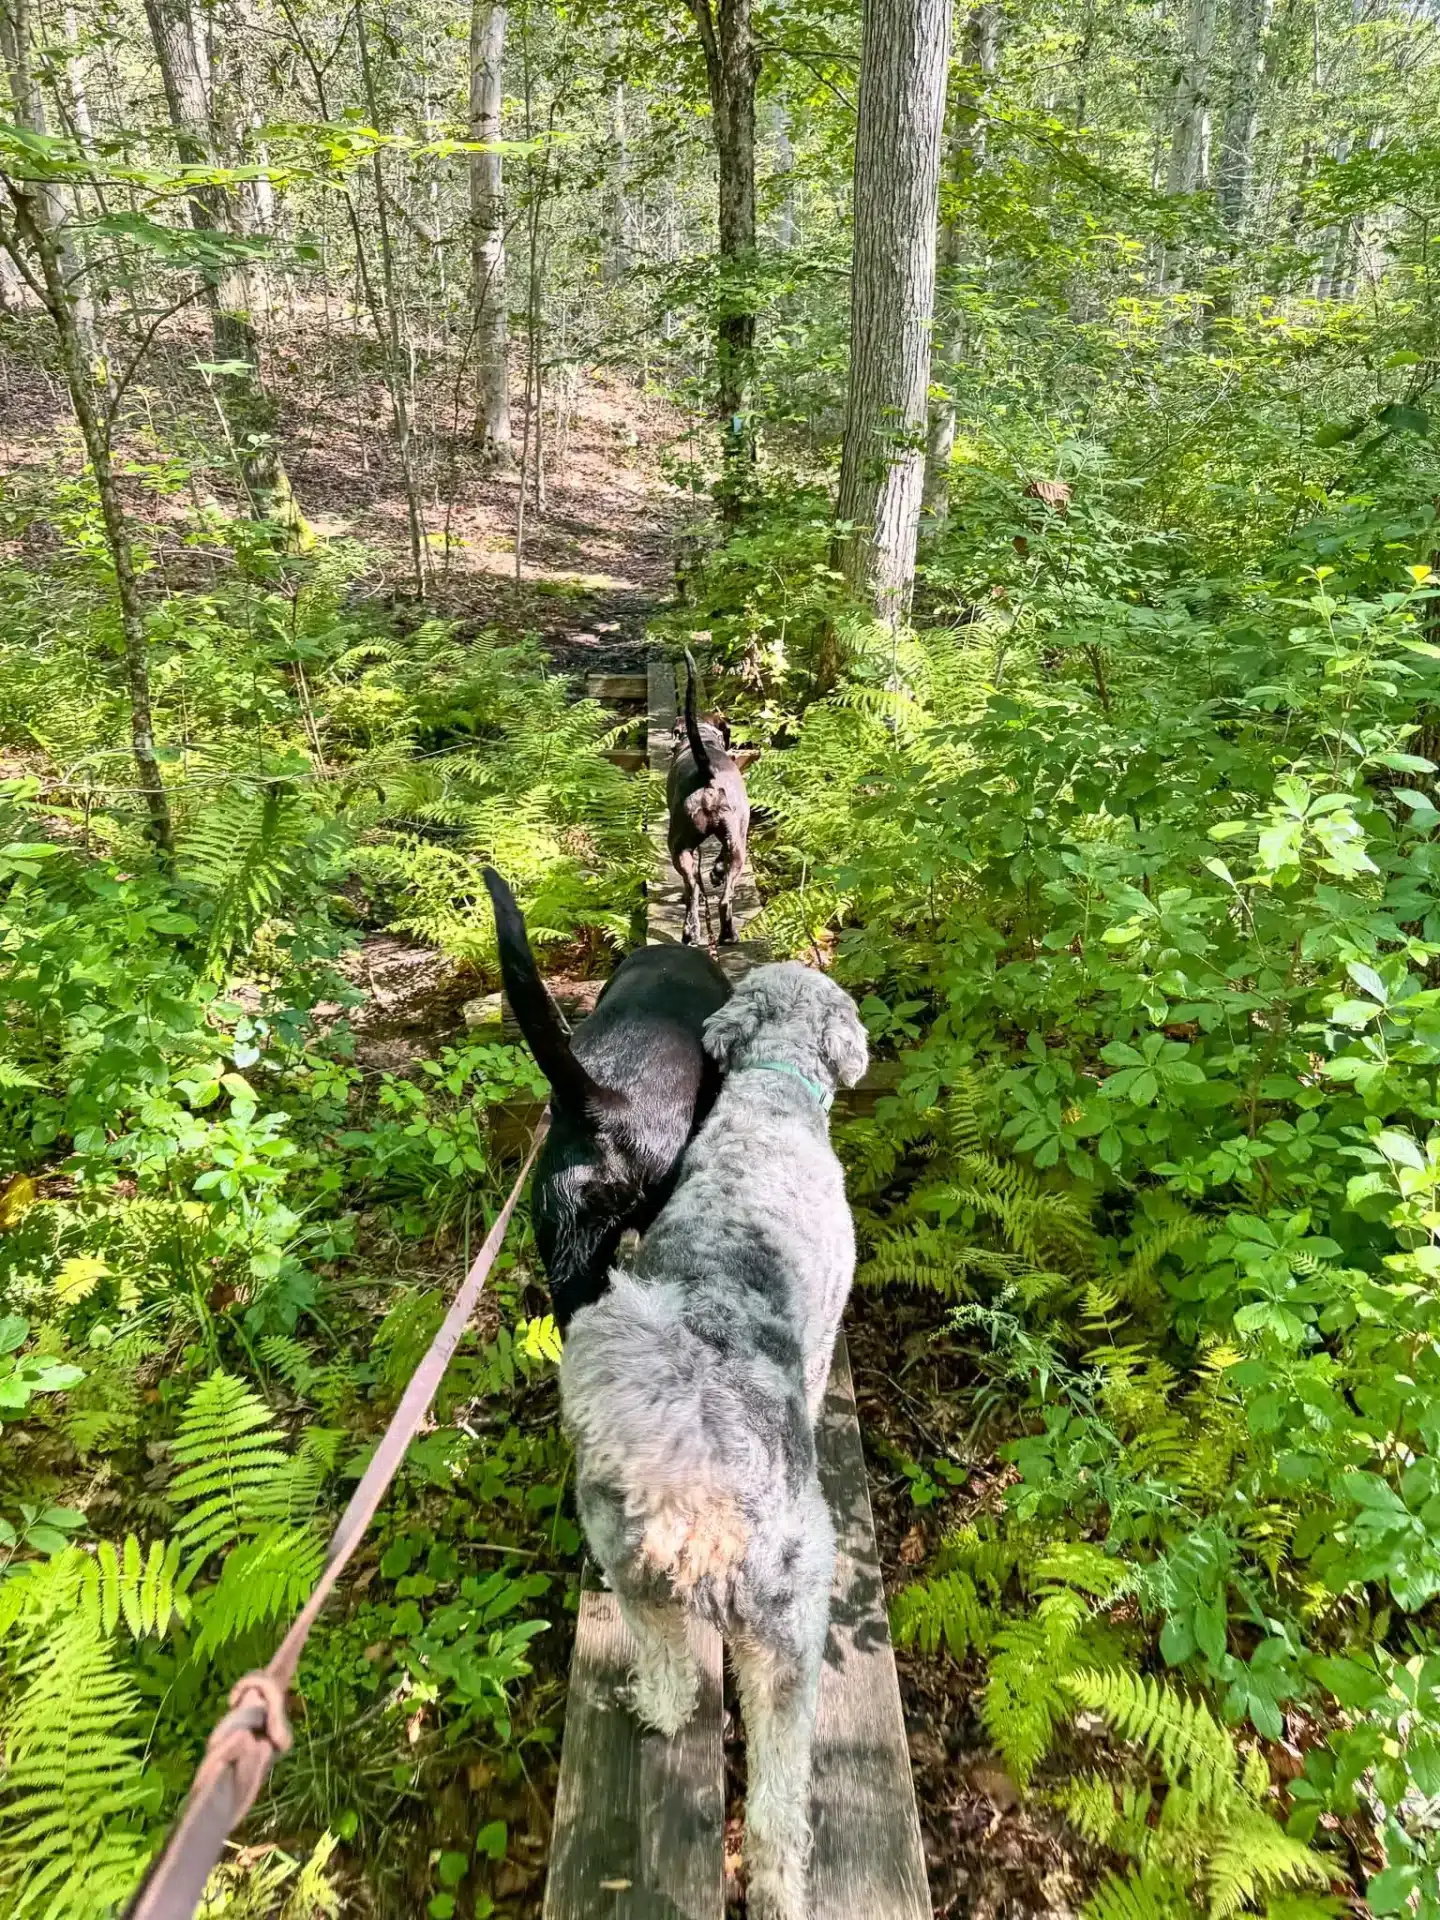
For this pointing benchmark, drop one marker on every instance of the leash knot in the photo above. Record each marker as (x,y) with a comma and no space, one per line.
(237,1742)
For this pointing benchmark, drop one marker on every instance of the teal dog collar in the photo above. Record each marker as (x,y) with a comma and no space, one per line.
(822,1098)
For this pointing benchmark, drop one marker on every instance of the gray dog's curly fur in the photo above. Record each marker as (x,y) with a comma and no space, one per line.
(692,1388)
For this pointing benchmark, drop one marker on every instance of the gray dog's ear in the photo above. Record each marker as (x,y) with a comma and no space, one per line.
(844,1044)
(736,1023)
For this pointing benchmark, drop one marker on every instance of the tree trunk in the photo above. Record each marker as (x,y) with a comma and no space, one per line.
(487,228)
(1189,124)
(1236,167)
(967,155)
(903,62)
(47,202)
(234,290)
(1189,133)
(33,233)
(732,66)
(784,180)
(617,197)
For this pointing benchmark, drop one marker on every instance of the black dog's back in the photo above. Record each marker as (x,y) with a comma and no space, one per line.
(628,1089)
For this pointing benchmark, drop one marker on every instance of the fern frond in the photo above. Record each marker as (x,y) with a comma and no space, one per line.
(1181,1731)
(146,1591)
(267,1578)
(72,1815)
(236,1475)
(944,1611)
(1253,1855)
(1145,1895)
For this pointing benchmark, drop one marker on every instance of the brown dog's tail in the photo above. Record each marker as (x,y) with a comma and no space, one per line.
(571,1086)
(692,724)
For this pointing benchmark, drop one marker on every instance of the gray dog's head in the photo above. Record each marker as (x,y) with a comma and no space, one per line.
(791,1013)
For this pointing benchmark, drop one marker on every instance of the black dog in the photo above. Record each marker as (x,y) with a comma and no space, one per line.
(626,1093)
(706,795)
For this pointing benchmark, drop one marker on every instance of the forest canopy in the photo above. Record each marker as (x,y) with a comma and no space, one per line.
(1028,413)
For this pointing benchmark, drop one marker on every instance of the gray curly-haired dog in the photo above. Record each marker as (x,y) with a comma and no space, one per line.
(692,1388)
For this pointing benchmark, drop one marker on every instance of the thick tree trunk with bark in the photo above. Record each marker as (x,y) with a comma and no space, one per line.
(234,291)
(732,66)
(487,227)
(967,153)
(903,65)
(34,240)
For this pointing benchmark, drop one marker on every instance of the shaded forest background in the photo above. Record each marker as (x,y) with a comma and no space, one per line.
(1040,443)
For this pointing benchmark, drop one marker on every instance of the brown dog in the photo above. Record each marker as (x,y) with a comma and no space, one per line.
(706,795)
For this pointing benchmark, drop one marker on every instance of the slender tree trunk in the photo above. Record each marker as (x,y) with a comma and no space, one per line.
(1190,122)
(34,236)
(1192,99)
(1236,167)
(47,201)
(487,227)
(388,329)
(903,64)
(617,196)
(967,155)
(785,180)
(732,67)
(233,291)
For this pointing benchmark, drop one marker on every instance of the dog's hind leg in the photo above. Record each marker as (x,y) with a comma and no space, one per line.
(732,860)
(666,1681)
(687,865)
(777,1663)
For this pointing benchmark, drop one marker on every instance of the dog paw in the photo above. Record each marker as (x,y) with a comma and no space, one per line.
(774,1893)
(665,1699)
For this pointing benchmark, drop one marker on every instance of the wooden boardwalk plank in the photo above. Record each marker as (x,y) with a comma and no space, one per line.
(630,688)
(868,1862)
(663,711)
(639,1820)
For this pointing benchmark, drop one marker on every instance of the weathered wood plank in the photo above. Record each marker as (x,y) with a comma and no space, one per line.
(639,1820)
(626,687)
(868,1862)
(661,698)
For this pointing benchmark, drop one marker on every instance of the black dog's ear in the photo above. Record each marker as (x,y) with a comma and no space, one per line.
(735,1025)
(845,1045)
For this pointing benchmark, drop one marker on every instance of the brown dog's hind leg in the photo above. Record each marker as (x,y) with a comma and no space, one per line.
(687,865)
(732,863)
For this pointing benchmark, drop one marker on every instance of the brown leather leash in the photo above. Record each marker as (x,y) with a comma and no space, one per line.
(245,1744)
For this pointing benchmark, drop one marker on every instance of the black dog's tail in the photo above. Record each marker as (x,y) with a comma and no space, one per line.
(540,1022)
(692,724)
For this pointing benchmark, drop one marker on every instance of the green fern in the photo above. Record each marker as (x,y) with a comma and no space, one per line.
(1189,1742)
(1253,1855)
(248,851)
(237,1477)
(944,1611)
(146,1590)
(1150,1894)
(72,1815)
(1024,1699)
(267,1578)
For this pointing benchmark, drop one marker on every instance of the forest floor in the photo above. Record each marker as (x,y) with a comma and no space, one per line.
(598,560)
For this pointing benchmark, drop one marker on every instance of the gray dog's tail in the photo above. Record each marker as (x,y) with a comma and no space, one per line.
(643,1400)
(571,1086)
(692,723)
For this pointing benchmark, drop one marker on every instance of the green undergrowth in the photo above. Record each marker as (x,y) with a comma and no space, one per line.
(229,1229)
(1134,867)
